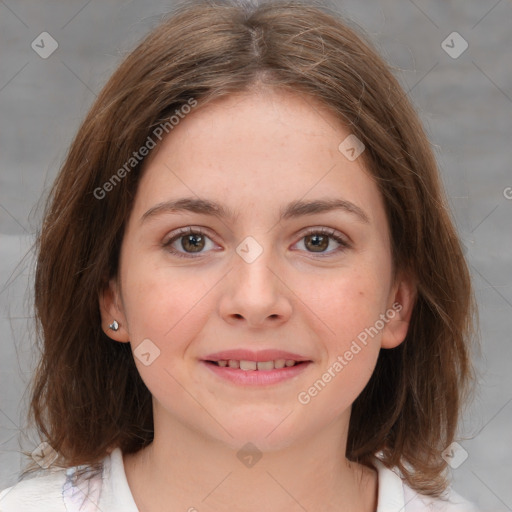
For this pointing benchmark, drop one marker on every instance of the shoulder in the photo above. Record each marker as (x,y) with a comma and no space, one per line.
(394,495)
(41,493)
(450,502)
(55,490)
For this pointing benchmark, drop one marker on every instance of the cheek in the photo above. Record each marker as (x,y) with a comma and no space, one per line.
(162,303)
(347,316)
(348,303)
(346,311)
(167,307)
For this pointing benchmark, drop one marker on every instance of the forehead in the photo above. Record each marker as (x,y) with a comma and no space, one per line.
(258,150)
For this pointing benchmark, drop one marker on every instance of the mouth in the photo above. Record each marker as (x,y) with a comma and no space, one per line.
(246,359)
(264,368)
(249,368)
(248,365)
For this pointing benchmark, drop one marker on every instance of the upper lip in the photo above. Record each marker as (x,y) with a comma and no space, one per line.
(251,355)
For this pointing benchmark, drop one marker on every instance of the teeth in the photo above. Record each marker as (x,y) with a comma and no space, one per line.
(267,365)
(248,365)
(253,365)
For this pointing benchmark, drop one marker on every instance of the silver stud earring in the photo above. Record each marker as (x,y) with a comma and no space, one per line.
(114,325)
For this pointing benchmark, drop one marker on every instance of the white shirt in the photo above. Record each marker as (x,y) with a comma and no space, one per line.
(109,492)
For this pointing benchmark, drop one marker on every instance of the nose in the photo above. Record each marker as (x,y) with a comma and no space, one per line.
(255,292)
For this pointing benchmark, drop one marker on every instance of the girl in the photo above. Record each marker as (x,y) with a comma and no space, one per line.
(249,290)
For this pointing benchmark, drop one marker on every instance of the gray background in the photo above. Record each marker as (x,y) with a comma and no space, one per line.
(465,104)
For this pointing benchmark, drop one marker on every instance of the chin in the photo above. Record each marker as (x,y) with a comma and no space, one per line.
(263,435)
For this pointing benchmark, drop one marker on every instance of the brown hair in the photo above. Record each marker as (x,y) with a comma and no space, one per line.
(87,395)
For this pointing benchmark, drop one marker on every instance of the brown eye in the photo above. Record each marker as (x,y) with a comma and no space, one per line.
(193,242)
(317,242)
(187,241)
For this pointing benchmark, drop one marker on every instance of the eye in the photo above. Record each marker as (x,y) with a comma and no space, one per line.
(193,240)
(318,239)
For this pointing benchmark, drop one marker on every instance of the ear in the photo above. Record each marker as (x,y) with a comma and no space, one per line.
(400,306)
(110,310)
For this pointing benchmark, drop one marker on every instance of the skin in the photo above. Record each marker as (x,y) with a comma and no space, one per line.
(254,153)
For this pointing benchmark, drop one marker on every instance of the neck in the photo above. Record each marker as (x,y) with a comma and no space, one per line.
(184,470)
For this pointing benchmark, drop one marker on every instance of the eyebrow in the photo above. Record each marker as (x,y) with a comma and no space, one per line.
(291,210)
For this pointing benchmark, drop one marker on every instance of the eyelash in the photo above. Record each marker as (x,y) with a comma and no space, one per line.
(331,233)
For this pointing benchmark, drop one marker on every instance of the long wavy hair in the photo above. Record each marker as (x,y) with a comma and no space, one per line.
(87,396)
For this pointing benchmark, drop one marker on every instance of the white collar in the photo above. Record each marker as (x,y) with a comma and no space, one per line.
(116,494)
(391,490)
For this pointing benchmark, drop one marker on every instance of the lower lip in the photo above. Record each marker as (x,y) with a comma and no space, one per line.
(257,377)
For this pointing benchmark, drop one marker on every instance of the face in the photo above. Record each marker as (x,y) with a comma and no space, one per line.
(256,274)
